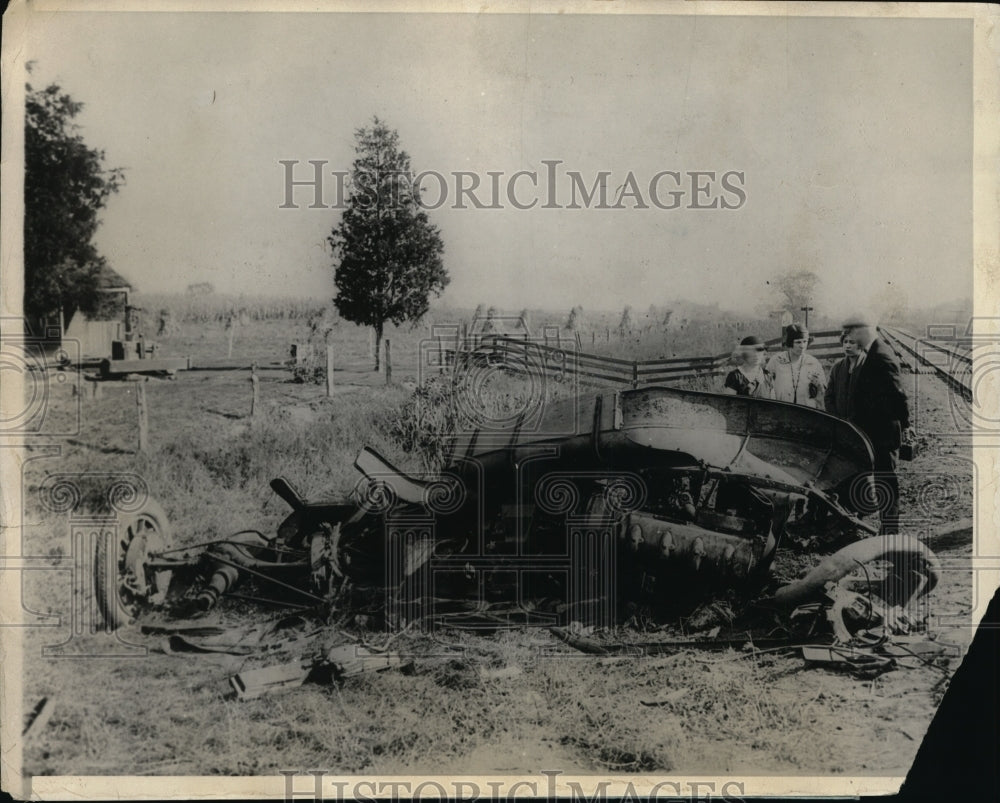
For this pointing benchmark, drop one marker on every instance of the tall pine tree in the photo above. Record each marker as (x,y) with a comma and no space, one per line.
(388,255)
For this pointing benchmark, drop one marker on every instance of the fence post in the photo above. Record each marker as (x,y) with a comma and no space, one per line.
(607,334)
(440,340)
(635,374)
(254,392)
(329,371)
(388,363)
(140,403)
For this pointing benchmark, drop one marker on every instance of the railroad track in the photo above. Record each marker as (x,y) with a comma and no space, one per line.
(950,360)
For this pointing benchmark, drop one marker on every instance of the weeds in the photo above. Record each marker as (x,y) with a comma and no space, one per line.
(425,423)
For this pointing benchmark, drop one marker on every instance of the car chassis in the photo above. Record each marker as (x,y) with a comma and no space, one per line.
(648,501)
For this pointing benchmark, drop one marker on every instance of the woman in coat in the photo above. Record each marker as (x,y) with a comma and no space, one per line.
(797,376)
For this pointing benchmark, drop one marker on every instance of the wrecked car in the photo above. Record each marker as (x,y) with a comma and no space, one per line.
(647,501)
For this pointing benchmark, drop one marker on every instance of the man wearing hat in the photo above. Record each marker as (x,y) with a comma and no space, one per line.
(877,405)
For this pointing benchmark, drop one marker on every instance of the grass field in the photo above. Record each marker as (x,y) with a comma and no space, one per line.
(200,325)
(498,701)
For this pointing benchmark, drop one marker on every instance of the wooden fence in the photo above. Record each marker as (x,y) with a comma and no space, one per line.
(523,355)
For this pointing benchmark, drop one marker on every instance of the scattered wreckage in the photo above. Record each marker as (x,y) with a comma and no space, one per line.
(651,505)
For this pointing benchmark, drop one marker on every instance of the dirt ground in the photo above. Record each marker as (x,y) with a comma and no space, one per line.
(501,701)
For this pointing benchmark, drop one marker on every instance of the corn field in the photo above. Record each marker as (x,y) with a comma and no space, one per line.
(218,307)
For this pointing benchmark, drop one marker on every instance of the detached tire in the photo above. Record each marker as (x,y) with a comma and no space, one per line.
(123,583)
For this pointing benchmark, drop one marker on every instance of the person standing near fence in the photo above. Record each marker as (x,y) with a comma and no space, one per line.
(748,378)
(836,398)
(877,405)
(797,376)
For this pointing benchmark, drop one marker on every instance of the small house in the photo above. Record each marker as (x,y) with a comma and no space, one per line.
(93,336)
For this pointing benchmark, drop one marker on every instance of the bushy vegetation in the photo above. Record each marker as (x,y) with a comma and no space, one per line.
(66,185)
(425,423)
(444,405)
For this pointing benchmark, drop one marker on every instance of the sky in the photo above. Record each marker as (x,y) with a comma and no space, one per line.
(853,138)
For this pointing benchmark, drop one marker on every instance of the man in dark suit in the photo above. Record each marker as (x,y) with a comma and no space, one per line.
(877,405)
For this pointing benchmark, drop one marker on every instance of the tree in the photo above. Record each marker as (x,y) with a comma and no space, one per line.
(798,288)
(200,289)
(890,303)
(66,184)
(625,325)
(387,252)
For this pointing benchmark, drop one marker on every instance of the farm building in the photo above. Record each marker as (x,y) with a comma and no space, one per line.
(94,336)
